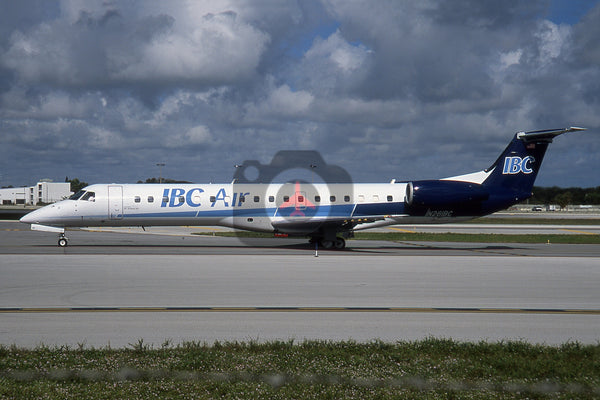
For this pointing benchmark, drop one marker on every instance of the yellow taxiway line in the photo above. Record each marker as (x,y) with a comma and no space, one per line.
(439,310)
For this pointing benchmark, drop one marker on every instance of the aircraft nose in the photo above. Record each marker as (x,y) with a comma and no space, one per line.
(41,216)
(30,218)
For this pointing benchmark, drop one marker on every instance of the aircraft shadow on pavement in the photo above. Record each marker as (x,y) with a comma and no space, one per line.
(354,247)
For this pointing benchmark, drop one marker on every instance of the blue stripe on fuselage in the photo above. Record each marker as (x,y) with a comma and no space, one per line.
(341,210)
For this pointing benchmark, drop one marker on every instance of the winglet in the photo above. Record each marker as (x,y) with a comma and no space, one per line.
(547,134)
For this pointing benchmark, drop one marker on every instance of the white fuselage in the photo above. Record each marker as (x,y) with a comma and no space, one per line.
(255,207)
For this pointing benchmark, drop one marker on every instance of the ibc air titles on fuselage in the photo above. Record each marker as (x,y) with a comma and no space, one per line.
(177,197)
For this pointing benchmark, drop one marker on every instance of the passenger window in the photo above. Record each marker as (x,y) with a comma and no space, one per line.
(165,199)
(300,199)
(346,198)
(271,199)
(137,199)
(242,199)
(390,198)
(286,198)
(332,199)
(256,199)
(317,199)
(213,199)
(150,199)
(376,197)
(181,200)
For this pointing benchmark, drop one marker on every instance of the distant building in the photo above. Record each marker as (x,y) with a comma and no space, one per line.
(43,192)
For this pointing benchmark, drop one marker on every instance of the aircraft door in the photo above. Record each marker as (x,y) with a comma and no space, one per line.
(115,202)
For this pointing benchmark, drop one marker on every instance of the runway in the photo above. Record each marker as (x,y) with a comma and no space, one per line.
(115,288)
(16,238)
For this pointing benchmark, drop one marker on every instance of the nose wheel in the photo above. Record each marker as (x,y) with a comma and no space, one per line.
(62,240)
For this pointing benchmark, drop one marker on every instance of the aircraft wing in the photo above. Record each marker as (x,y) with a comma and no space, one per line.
(307,226)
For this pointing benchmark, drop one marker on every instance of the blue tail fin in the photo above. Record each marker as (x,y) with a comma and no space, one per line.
(513,174)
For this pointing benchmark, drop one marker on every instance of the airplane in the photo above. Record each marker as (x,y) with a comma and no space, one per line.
(327,213)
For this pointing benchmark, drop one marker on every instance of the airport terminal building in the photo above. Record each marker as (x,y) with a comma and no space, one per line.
(44,192)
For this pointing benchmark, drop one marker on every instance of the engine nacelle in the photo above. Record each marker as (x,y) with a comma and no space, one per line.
(462,198)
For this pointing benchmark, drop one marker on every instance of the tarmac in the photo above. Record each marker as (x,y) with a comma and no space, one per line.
(114,288)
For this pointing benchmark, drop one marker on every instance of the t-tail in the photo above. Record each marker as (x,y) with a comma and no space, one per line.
(512,176)
(509,180)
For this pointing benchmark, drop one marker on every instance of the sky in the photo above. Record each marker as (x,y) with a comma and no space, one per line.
(103,91)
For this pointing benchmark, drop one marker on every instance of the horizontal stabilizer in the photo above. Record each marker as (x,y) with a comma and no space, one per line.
(547,134)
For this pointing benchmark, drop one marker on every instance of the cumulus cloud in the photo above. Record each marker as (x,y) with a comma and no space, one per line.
(103,89)
(197,135)
(220,50)
(334,64)
(91,51)
(279,103)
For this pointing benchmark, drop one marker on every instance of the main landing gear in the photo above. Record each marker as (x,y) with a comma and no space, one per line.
(62,240)
(338,244)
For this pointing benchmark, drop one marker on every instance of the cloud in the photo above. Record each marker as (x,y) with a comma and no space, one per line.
(197,135)
(90,52)
(333,65)
(388,89)
(279,103)
(220,50)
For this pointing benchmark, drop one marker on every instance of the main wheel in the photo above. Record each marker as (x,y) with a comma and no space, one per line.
(326,244)
(340,243)
(62,242)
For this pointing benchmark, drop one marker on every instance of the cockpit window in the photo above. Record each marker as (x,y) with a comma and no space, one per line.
(77,195)
(89,196)
(84,195)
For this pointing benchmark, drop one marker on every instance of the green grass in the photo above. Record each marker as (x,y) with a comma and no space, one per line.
(478,237)
(310,370)
(533,221)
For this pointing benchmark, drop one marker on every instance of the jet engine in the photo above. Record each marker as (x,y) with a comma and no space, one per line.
(460,198)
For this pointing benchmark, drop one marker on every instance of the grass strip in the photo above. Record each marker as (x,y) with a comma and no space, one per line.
(532,221)
(478,237)
(431,368)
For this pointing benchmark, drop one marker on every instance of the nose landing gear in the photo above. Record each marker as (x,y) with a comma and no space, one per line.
(62,240)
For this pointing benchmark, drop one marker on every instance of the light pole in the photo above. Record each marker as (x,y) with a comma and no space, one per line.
(312,169)
(160,165)
(236,166)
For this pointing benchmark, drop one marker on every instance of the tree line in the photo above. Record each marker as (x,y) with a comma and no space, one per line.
(541,195)
(77,185)
(565,196)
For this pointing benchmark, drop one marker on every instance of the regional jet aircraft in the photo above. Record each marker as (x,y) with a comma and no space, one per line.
(325,213)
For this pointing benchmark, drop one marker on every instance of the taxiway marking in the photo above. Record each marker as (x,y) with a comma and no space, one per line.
(442,310)
(582,232)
